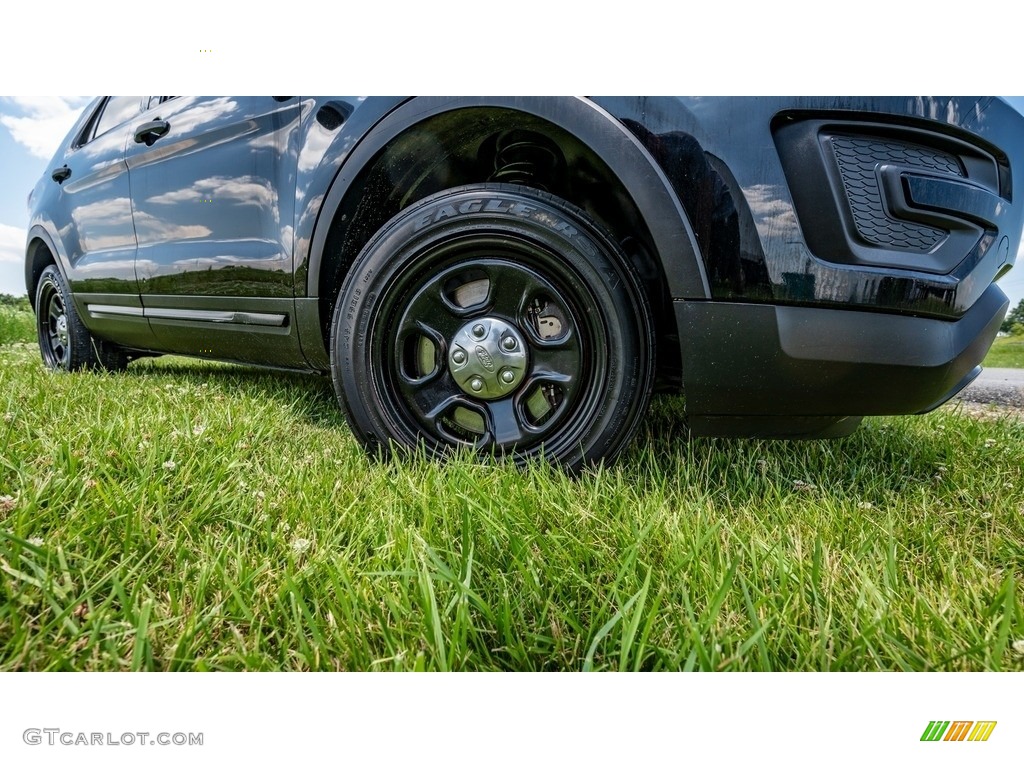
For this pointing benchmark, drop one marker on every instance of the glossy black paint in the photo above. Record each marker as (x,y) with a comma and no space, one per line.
(213,198)
(213,202)
(761,244)
(84,224)
(186,227)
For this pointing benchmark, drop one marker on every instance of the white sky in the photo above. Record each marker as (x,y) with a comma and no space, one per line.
(38,123)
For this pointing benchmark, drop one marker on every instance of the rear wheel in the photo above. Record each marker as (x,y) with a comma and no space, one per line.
(65,344)
(498,318)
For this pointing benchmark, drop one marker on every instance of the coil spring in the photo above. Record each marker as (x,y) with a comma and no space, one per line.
(524,157)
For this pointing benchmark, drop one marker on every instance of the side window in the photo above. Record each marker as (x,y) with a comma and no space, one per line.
(116,111)
(157,100)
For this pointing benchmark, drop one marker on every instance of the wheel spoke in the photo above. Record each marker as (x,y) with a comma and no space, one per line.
(559,362)
(511,289)
(431,396)
(415,327)
(503,421)
(429,313)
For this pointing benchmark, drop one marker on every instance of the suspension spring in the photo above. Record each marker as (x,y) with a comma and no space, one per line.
(525,157)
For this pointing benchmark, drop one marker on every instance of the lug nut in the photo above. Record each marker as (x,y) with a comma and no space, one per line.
(508,377)
(479,331)
(476,383)
(508,343)
(458,357)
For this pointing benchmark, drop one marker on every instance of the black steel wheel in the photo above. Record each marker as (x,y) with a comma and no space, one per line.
(498,318)
(65,344)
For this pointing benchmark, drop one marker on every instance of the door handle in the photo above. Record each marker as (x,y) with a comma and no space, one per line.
(61,174)
(149,132)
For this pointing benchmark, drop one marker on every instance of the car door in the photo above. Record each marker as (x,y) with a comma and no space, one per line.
(93,218)
(213,195)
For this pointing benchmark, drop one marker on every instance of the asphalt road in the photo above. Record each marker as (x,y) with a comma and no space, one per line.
(1002,386)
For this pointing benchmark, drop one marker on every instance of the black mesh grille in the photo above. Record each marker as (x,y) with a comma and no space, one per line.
(858,158)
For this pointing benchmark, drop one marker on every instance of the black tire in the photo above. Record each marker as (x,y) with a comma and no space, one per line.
(496,317)
(65,344)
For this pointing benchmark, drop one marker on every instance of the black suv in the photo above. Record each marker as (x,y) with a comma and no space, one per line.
(517,275)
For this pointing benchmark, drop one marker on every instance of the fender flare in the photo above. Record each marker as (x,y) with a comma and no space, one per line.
(39,232)
(631,163)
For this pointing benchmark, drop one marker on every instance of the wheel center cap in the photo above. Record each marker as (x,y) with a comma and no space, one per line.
(487,358)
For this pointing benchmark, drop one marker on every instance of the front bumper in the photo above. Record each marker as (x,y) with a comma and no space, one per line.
(761,370)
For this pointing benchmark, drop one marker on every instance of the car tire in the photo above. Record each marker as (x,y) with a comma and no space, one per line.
(497,318)
(65,344)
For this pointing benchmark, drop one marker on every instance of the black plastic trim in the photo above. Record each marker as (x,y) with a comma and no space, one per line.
(627,158)
(805,148)
(759,360)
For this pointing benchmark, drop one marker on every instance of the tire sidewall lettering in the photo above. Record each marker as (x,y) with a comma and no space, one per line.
(548,218)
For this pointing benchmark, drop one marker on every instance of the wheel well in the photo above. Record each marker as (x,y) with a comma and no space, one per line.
(481,144)
(39,258)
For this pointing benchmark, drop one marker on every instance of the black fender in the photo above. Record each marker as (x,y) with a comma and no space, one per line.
(641,176)
(39,232)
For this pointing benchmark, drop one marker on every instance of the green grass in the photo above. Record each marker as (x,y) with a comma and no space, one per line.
(16,324)
(1006,352)
(189,516)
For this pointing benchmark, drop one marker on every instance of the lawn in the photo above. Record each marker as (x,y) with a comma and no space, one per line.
(188,515)
(1006,352)
(16,324)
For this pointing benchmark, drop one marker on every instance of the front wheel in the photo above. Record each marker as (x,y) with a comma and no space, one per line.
(498,318)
